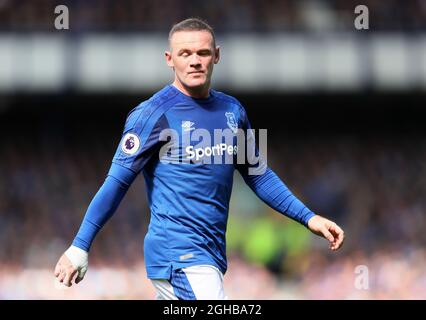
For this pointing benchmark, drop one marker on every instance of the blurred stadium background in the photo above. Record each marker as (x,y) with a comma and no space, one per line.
(344,108)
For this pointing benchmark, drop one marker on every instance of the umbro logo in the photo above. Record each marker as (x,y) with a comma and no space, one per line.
(188,126)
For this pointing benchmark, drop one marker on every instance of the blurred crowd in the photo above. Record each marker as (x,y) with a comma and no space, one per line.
(223,15)
(385,275)
(373,187)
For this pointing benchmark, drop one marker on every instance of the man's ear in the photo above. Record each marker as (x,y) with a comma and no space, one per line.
(216,54)
(169,60)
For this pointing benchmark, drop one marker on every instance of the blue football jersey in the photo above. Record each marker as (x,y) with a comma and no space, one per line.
(187,149)
(188,200)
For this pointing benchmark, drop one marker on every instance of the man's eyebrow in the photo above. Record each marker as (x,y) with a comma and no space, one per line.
(183,50)
(199,50)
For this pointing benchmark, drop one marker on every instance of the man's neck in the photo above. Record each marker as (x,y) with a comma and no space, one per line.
(197,93)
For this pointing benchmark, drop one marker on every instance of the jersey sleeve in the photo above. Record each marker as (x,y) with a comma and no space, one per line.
(103,205)
(138,144)
(140,138)
(265,183)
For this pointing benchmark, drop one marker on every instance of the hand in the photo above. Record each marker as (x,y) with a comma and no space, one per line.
(327,229)
(74,262)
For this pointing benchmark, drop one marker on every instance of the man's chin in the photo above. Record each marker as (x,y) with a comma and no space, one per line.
(194,85)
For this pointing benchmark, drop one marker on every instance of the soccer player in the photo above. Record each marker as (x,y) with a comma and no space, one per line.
(184,249)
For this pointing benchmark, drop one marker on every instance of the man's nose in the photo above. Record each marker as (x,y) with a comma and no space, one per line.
(195,60)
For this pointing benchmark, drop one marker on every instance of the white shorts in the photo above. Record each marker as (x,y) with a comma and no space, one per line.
(203,282)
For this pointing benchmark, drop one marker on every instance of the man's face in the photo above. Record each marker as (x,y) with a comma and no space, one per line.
(192,56)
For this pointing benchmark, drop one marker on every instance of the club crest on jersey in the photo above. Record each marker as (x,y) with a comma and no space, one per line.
(130,143)
(231,121)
